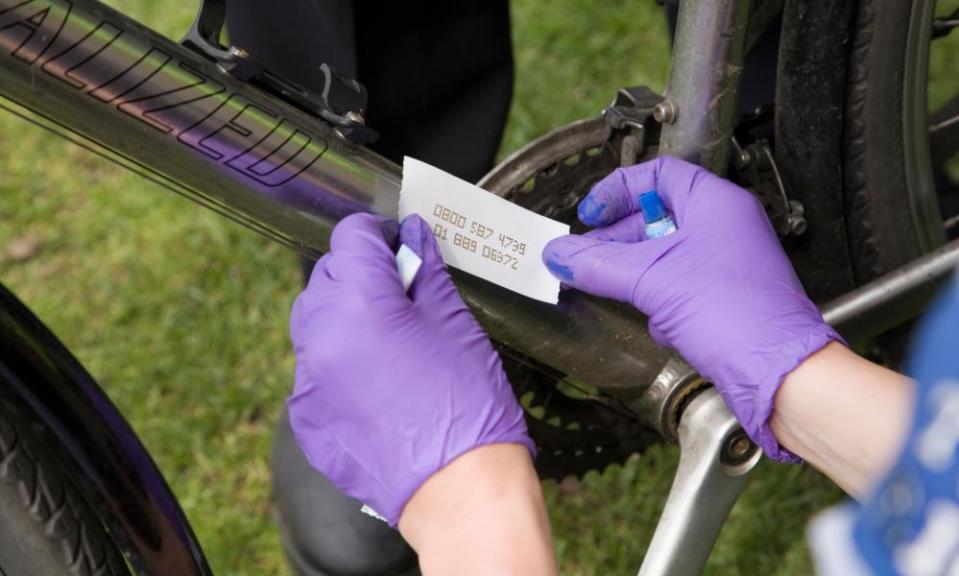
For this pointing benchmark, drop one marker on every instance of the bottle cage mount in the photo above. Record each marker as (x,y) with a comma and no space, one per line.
(342,102)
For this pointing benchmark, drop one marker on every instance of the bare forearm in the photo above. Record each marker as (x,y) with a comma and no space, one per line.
(844,415)
(482,514)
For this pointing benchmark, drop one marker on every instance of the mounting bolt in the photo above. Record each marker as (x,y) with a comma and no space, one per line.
(665,112)
(797,225)
(737,449)
(237,52)
(355,117)
(796,221)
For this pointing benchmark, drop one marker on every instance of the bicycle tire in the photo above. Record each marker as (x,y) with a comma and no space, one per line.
(47,528)
(882,231)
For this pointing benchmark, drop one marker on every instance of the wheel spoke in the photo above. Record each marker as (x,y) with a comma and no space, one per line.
(944,132)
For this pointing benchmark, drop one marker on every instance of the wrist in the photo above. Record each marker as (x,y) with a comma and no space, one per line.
(844,415)
(794,355)
(482,513)
(750,380)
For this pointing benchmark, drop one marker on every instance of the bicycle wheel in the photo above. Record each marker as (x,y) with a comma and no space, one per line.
(46,526)
(897,187)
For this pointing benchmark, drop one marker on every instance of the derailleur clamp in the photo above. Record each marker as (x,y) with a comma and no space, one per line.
(756,170)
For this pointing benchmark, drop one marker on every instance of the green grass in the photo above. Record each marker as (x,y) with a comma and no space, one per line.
(182,316)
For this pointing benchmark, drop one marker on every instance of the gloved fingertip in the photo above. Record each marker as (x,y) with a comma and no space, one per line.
(590,211)
(561,271)
(556,255)
(416,234)
(610,199)
(391,231)
(410,233)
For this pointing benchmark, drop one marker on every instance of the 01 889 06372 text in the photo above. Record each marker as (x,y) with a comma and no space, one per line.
(478,238)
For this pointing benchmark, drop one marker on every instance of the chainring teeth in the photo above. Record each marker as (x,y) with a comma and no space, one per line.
(556,191)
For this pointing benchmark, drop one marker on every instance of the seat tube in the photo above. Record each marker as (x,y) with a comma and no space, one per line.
(699,110)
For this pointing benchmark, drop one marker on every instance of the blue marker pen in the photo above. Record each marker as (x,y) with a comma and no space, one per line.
(658,222)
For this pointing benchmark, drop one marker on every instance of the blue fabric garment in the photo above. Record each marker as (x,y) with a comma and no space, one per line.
(910,525)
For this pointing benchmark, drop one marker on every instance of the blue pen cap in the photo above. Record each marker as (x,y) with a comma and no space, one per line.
(652,206)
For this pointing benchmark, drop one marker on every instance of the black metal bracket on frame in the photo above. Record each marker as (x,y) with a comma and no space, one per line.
(633,110)
(341,103)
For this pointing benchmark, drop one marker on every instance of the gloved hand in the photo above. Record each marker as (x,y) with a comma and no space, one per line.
(392,386)
(720,290)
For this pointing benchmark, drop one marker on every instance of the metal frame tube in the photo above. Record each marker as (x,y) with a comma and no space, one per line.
(700,107)
(894,298)
(94,72)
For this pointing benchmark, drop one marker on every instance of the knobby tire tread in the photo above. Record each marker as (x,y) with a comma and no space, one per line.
(881,234)
(49,504)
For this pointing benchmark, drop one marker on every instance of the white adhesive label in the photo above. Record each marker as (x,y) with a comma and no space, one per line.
(481,233)
(407,264)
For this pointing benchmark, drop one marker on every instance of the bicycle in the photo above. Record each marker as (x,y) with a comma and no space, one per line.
(311,148)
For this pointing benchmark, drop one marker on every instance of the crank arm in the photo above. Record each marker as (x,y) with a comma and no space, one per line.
(715,460)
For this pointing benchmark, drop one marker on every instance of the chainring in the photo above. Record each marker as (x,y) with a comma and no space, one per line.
(575,429)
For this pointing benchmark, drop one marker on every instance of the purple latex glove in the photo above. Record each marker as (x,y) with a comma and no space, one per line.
(391,386)
(720,290)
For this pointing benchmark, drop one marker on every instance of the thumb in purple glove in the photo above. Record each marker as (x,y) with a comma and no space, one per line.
(391,386)
(720,290)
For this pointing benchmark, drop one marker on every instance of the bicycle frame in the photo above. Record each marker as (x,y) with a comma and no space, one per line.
(106,82)
(98,77)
